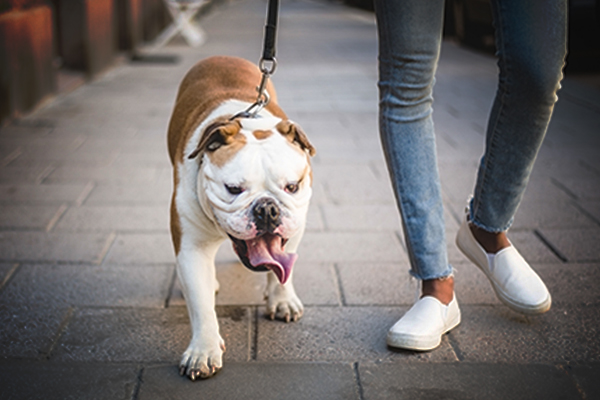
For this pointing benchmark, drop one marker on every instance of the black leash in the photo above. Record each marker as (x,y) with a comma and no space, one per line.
(267,64)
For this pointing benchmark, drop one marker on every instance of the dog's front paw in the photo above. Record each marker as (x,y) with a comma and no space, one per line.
(283,303)
(202,360)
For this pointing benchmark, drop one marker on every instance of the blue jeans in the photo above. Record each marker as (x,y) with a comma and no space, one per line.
(531,46)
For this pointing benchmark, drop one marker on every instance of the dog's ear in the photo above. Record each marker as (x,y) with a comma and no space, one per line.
(295,134)
(215,135)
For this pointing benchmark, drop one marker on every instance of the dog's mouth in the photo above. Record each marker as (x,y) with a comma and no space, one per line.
(265,253)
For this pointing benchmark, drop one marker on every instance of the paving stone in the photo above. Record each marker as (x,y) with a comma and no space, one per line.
(339,334)
(586,377)
(360,192)
(141,249)
(592,208)
(447,381)
(146,335)
(61,381)
(256,380)
(353,184)
(6,271)
(111,218)
(29,193)
(583,188)
(496,334)
(572,333)
(31,175)
(314,219)
(126,193)
(35,217)
(472,286)
(29,331)
(532,248)
(53,247)
(84,285)
(361,217)
(534,214)
(571,284)
(377,283)
(71,159)
(314,283)
(339,247)
(74,174)
(577,245)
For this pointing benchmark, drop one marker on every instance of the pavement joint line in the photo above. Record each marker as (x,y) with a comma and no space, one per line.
(359,387)
(171,288)
(107,245)
(565,189)
(61,329)
(85,193)
(56,217)
(253,332)
(138,384)
(78,142)
(44,174)
(580,102)
(550,246)
(564,369)
(589,167)
(323,217)
(9,275)
(455,347)
(451,142)
(375,170)
(398,236)
(11,157)
(338,285)
(586,213)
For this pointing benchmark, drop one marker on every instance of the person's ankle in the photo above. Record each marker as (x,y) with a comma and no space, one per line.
(492,242)
(442,289)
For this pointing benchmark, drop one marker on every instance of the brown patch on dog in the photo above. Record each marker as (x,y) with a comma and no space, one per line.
(221,156)
(295,134)
(175,225)
(260,135)
(219,133)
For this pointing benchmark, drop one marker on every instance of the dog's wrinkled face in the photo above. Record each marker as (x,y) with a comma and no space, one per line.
(256,178)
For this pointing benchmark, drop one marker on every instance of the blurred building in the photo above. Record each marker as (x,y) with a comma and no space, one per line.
(46,46)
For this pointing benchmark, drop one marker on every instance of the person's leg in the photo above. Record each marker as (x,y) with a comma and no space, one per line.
(409,44)
(531,43)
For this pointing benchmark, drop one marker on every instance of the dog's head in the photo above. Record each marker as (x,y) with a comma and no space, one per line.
(256,178)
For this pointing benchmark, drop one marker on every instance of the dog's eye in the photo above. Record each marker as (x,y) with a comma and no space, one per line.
(291,188)
(234,190)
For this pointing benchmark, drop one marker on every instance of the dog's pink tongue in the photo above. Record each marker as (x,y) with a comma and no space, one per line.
(267,251)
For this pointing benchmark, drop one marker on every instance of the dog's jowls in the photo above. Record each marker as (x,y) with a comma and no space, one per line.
(246,179)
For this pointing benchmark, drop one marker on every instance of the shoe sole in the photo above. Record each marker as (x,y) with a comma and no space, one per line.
(515,306)
(419,344)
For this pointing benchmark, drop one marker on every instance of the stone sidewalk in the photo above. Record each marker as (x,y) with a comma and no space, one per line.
(89,304)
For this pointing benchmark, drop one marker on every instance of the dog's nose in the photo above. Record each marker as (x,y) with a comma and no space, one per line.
(267,215)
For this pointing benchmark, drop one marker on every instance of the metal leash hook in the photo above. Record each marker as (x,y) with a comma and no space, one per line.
(267,64)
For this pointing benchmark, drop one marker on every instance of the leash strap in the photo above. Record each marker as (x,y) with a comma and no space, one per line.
(267,64)
(271,30)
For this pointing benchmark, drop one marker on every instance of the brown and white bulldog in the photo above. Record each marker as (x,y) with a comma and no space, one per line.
(248,179)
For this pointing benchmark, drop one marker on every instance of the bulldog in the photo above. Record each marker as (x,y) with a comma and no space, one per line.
(248,179)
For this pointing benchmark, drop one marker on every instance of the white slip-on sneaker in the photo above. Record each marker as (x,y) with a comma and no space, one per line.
(422,327)
(513,280)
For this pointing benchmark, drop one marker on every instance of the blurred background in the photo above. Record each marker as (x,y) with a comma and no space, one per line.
(52,46)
